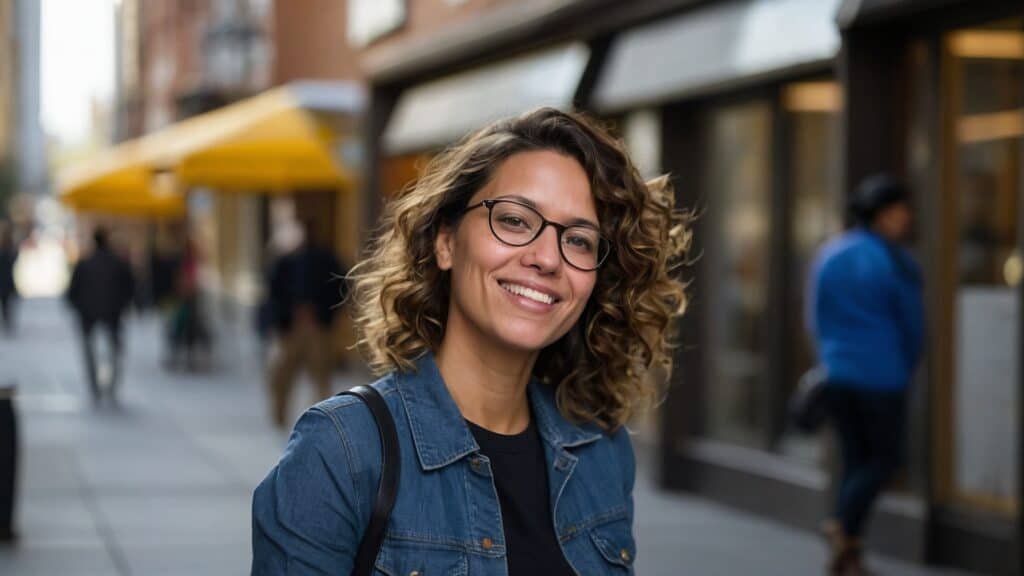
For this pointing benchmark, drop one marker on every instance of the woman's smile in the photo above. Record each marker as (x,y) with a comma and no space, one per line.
(530,296)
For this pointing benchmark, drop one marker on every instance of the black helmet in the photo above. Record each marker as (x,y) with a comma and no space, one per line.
(873,194)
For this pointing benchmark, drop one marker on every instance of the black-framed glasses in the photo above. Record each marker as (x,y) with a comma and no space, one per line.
(517,224)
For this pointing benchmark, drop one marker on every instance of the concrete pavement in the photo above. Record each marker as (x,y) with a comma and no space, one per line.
(161,485)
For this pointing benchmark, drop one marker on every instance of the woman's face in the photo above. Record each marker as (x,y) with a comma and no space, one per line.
(518,297)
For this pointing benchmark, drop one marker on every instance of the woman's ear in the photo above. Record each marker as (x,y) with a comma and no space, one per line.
(443,245)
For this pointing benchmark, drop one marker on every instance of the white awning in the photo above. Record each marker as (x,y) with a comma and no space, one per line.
(441,111)
(719,45)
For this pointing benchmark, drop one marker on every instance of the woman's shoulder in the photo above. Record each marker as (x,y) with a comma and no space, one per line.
(351,415)
(344,423)
(335,446)
(345,405)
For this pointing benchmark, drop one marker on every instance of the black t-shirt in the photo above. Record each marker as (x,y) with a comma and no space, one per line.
(520,475)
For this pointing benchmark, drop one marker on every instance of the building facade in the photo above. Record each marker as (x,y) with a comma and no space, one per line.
(23,166)
(31,149)
(8,60)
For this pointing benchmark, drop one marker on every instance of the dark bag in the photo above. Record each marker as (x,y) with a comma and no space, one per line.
(8,462)
(387,489)
(808,407)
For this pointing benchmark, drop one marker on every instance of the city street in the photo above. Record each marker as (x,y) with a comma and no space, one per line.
(161,484)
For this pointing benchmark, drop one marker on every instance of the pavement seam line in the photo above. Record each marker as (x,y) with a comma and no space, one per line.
(101,522)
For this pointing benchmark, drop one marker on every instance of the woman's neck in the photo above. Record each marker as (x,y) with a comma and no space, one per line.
(488,385)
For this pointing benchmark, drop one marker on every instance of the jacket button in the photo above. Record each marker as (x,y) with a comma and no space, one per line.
(624,554)
(486,543)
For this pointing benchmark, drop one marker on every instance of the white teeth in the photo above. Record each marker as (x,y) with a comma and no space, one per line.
(528,293)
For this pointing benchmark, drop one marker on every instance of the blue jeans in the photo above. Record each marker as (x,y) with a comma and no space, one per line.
(871,426)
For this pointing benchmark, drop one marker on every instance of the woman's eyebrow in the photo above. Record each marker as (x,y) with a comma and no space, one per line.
(532,204)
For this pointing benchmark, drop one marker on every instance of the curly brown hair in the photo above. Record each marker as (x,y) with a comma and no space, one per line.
(600,367)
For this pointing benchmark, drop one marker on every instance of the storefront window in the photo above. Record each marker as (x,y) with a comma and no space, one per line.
(811,110)
(739,213)
(985,68)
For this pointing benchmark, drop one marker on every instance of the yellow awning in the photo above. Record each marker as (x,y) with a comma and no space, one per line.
(148,205)
(279,141)
(157,198)
(117,171)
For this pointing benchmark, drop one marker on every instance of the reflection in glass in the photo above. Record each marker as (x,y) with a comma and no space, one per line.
(739,180)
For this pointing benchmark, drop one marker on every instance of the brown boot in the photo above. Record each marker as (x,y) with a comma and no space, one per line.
(844,551)
(835,538)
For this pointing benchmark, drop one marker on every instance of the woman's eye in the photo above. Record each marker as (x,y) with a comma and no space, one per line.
(579,242)
(513,221)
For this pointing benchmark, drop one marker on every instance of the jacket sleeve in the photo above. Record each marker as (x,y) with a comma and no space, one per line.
(305,513)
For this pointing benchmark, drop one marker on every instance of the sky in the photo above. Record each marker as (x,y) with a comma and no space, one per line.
(77,64)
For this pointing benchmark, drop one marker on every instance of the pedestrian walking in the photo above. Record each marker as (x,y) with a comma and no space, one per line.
(306,287)
(190,342)
(8,290)
(516,300)
(100,291)
(866,317)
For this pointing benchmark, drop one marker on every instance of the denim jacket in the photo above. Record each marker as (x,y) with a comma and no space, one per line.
(310,512)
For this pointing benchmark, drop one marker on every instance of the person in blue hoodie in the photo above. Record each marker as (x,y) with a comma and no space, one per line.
(865,313)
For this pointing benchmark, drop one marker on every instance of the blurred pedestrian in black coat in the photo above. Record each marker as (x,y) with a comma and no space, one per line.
(306,287)
(8,291)
(100,291)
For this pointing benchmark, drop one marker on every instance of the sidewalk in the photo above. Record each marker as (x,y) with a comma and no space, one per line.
(162,485)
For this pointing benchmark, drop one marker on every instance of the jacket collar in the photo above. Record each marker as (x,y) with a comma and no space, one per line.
(440,433)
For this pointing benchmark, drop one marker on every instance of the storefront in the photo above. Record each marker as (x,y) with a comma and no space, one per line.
(936,94)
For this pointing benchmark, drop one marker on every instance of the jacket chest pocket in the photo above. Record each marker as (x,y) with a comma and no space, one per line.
(417,561)
(614,544)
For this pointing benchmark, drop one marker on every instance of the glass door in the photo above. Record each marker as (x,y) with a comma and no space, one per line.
(739,199)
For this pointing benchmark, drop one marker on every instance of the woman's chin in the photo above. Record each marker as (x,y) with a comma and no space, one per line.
(527,342)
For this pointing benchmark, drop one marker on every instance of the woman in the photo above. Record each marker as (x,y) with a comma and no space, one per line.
(867,320)
(516,300)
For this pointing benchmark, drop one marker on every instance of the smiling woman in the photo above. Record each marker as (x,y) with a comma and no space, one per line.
(515,301)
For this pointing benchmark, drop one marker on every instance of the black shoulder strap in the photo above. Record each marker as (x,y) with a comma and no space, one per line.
(387,489)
